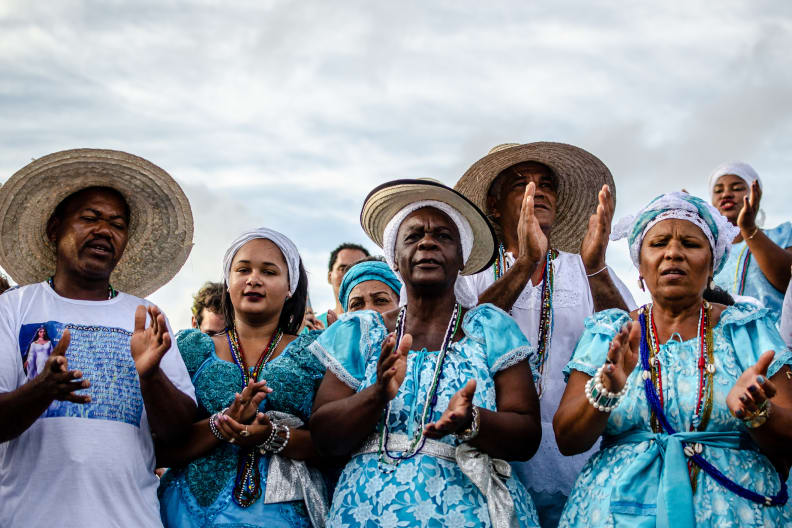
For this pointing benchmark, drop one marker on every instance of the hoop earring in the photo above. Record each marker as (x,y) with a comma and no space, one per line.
(641,283)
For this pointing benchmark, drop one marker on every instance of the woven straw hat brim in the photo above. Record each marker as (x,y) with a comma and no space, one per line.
(386,200)
(160,228)
(580,176)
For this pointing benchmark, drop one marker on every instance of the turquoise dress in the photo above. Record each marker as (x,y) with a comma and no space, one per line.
(200,494)
(423,490)
(756,284)
(742,334)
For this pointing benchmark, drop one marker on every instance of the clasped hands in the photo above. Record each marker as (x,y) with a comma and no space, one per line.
(242,423)
(391,370)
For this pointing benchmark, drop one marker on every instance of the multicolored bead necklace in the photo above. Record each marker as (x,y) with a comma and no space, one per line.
(546,314)
(247,485)
(419,439)
(112,293)
(741,273)
(706,368)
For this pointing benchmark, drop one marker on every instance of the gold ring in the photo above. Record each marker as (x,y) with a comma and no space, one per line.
(245,432)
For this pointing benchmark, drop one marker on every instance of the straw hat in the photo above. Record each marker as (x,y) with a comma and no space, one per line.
(160,228)
(580,176)
(386,200)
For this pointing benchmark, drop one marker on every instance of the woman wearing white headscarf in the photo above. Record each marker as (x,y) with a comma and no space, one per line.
(760,259)
(430,400)
(242,464)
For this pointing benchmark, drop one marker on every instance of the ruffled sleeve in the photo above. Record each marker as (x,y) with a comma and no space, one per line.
(195,347)
(499,335)
(592,348)
(781,235)
(346,346)
(752,331)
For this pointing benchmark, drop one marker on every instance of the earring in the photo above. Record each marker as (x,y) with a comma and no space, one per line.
(711,283)
(641,283)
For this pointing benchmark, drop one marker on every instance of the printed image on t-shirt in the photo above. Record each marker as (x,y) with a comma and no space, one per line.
(103,356)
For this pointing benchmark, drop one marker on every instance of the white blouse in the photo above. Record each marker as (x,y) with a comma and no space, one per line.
(549,470)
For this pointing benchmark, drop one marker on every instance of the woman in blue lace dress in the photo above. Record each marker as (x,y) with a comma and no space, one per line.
(430,400)
(698,433)
(243,462)
(760,259)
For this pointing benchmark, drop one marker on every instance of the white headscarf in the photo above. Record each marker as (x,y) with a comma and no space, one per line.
(742,170)
(464,296)
(287,247)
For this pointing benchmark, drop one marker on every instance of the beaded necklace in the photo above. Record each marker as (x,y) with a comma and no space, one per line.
(419,439)
(111,292)
(741,273)
(546,313)
(247,485)
(694,450)
(706,368)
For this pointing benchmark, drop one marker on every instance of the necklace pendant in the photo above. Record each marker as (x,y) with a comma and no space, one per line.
(711,368)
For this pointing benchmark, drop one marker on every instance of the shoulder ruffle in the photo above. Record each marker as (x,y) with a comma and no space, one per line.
(195,347)
(607,322)
(742,313)
(484,316)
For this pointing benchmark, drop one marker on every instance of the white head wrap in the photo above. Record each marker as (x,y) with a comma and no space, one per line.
(287,247)
(719,231)
(742,170)
(464,296)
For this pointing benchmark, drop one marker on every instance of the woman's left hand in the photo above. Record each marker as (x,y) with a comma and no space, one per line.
(245,435)
(746,220)
(595,243)
(458,416)
(752,389)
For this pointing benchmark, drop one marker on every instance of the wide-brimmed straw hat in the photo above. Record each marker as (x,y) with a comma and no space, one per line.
(386,200)
(579,173)
(160,227)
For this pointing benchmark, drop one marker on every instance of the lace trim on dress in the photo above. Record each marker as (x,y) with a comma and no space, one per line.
(511,358)
(333,365)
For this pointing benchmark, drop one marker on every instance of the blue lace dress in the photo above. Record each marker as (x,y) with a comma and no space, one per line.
(756,284)
(742,334)
(424,490)
(200,494)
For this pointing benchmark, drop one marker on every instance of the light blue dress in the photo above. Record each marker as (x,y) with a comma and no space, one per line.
(424,490)
(756,284)
(742,334)
(200,494)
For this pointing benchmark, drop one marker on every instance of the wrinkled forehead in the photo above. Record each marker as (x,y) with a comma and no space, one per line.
(428,216)
(532,170)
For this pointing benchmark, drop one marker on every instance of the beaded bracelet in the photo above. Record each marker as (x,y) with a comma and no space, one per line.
(213,427)
(275,443)
(471,432)
(599,397)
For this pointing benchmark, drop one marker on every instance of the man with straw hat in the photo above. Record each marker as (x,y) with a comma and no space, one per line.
(551,206)
(77,445)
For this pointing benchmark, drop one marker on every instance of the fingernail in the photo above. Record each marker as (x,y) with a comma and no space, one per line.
(740,413)
(744,399)
(753,388)
(760,379)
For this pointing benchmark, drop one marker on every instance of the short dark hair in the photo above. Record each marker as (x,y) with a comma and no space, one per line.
(4,283)
(210,297)
(63,206)
(345,245)
(292,313)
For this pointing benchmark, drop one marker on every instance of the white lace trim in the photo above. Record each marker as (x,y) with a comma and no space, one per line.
(333,365)
(511,358)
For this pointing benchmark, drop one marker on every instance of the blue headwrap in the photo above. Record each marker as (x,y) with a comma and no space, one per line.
(367,271)
(718,230)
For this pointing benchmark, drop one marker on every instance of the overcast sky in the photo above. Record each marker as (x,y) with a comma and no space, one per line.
(286,114)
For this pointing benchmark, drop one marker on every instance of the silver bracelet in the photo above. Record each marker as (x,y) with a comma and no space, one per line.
(213,427)
(275,443)
(597,272)
(471,432)
(599,397)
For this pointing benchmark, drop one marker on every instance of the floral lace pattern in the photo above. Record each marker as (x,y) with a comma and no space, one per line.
(742,327)
(424,490)
(205,483)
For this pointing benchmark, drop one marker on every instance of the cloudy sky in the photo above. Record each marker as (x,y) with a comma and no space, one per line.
(286,114)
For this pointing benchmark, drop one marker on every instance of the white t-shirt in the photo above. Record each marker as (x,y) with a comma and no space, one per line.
(549,470)
(81,465)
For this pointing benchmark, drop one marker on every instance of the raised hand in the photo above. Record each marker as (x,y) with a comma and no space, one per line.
(457,417)
(57,380)
(752,388)
(392,365)
(532,241)
(592,249)
(622,357)
(245,405)
(149,344)
(746,220)
(332,317)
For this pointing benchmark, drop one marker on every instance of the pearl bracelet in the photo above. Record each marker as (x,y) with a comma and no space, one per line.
(599,397)
(275,443)
(213,427)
